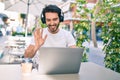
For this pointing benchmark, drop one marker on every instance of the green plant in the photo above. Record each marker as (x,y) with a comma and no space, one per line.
(21,34)
(107,13)
(23,16)
(110,16)
(82,28)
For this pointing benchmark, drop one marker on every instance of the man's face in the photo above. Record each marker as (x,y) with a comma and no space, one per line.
(52,21)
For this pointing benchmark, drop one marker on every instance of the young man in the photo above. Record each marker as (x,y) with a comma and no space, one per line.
(52,36)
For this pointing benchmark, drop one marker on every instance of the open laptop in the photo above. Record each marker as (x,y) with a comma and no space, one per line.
(59,60)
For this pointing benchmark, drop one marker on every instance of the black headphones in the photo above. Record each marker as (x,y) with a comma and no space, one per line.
(52,8)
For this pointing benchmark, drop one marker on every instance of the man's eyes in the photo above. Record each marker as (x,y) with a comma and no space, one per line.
(55,19)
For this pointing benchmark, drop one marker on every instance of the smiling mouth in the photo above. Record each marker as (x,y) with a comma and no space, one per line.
(53,30)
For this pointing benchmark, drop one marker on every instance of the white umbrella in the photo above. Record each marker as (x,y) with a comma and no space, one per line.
(28,6)
(35,6)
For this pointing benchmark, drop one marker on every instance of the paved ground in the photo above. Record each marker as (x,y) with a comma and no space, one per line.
(95,55)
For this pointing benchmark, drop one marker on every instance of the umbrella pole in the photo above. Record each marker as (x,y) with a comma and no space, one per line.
(26,24)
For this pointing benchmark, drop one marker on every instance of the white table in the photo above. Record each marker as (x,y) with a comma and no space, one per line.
(88,71)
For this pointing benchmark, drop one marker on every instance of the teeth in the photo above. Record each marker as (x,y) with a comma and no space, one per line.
(52,26)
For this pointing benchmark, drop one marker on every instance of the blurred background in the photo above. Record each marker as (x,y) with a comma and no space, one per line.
(93,23)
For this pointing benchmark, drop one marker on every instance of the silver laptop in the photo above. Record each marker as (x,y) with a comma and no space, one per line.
(59,60)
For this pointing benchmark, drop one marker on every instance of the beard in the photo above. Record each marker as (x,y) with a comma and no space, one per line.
(53,28)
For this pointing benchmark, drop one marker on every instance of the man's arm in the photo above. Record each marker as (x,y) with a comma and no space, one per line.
(39,41)
(30,51)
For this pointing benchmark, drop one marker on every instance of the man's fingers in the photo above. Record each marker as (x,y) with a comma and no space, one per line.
(41,32)
(36,31)
(36,35)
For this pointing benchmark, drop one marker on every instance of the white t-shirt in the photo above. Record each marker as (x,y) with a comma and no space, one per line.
(61,39)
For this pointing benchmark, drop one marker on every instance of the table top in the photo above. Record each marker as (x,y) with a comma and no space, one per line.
(92,71)
(88,71)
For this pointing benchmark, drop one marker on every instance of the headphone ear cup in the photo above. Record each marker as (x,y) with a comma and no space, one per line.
(43,20)
(61,18)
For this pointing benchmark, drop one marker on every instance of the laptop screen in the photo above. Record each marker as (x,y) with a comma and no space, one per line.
(59,60)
